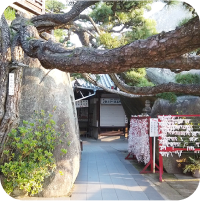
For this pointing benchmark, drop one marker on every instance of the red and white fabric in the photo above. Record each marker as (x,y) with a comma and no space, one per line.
(138,142)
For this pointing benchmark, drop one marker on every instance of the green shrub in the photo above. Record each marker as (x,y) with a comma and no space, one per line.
(28,154)
(187,78)
(168,96)
(9,14)
(137,77)
(102,13)
(143,82)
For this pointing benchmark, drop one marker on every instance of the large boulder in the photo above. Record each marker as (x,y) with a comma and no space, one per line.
(185,105)
(160,76)
(40,92)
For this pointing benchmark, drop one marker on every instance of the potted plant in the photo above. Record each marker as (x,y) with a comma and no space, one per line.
(194,167)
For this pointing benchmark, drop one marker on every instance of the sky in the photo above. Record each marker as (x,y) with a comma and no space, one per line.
(156,7)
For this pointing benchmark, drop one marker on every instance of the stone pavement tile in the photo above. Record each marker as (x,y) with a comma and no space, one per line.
(109,196)
(105,179)
(109,190)
(103,173)
(113,171)
(151,193)
(62,198)
(96,196)
(117,180)
(122,170)
(83,171)
(101,166)
(131,169)
(100,162)
(27,199)
(130,182)
(138,195)
(81,188)
(92,164)
(95,188)
(137,176)
(107,187)
(93,172)
(78,196)
(123,194)
(92,167)
(142,182)
(83,178)
(92,179)
(134,189)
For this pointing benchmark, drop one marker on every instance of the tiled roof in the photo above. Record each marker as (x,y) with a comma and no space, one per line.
(103,79)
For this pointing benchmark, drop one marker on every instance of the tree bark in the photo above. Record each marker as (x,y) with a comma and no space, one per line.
(183,63)
(192,89)
(122,93)
(49,21)
(141,53)
(8,104)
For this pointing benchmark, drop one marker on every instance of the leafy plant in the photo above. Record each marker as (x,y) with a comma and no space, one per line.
(137,77)
(28,154)
(187,78)
(195,165)
(102,13)
(55,6)
(9,14)
(168,96)
(59,35)
(109,41)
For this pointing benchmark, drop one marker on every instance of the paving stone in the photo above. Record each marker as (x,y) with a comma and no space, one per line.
(81,188)
(96,196)
(62,198)
(78,196)
(108,176)
(138,195)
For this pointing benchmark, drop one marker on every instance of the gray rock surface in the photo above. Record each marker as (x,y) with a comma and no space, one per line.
(184,105)
(160,76)
(54,90)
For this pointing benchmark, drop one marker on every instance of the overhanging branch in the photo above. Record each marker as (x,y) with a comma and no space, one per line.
(192,89)
(96,83)
(141,53)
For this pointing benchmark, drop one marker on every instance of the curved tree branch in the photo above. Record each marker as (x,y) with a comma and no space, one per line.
(91,80)
(141,53)
(183,63)
(47,21)
(193,89)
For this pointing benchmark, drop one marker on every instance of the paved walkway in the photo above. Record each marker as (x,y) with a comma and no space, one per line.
(106,175)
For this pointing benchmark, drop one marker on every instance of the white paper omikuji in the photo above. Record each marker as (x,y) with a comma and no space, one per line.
(169,126)
(138,142)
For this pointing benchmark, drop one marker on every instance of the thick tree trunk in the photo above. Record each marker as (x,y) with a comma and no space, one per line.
(9,105)
(141,53)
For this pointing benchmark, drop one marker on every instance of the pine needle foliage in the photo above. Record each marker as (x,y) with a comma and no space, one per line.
(188,78)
